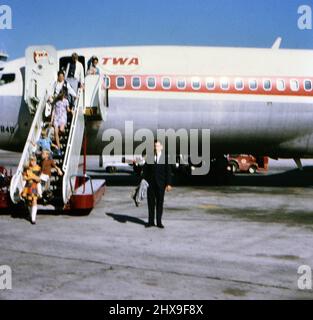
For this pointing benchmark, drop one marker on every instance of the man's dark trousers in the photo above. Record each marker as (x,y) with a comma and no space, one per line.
(155,203)
(158,175)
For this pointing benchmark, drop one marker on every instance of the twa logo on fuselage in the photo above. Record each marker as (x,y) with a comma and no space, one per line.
(121,63)
(40,55)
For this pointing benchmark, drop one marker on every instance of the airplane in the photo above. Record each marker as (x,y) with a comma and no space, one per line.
(254,100)
(3,58)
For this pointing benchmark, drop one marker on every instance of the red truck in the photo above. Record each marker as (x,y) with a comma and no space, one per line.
(247,163)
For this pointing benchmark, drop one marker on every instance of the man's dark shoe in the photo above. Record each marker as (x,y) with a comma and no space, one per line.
(150,225)
(160,226)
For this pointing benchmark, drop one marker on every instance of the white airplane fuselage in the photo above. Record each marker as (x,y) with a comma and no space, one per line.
(254,101)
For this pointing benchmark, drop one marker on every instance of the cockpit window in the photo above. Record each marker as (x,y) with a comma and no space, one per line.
(7,78)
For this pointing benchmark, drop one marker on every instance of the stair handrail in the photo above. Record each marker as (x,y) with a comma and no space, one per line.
(17,182)
(73,149)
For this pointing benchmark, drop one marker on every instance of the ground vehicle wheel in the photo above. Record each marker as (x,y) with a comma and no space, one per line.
(111,169)
(233,167)
(252,169)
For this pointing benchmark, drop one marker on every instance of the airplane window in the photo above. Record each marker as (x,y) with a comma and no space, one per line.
(239,84)
(253,85)
(308,85)
(120,82)
(166,83)
(224,84)
(7,78)
(136,82)
(151,83)
(196,84)
(210,84)
(294,85)
(280,85)
(267,85)
(181,84)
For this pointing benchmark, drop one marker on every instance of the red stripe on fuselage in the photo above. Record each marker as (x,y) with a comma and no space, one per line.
(231,90)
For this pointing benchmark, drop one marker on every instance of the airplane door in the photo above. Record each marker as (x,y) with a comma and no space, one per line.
(40,73)
(64,63)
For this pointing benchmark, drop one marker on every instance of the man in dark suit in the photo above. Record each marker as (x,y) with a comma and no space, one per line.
(157,172)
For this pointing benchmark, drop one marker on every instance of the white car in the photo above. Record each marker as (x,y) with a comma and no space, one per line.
(115,164)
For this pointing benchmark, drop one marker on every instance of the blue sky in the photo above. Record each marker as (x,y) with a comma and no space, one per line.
(74,24)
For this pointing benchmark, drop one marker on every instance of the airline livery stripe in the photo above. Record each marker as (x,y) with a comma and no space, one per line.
(279,86)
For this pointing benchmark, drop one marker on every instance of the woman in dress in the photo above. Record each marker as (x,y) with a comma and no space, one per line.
(93,68)
(30,192)
(59,118)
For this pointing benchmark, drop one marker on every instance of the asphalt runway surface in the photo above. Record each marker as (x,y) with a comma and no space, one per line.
(244,240)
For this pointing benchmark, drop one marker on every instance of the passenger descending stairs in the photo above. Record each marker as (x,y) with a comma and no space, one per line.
(71,143)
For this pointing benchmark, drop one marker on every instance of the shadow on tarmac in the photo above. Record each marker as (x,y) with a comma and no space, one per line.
(124,219)
(15,213)
(21,212)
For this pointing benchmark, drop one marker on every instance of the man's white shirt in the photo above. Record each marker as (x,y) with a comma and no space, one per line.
(79,72)
(157,157)
(58,86)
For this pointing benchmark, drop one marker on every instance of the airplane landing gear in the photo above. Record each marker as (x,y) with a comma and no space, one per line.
(218,175)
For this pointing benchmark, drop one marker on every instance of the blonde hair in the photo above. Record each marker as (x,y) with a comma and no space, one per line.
(46,151)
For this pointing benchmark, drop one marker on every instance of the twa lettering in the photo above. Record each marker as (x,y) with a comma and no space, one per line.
(120,61)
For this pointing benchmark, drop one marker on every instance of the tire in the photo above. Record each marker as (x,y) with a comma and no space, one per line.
(252,169)
(234,167)
(111,169)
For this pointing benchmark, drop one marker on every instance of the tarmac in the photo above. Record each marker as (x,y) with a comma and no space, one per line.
(243,240)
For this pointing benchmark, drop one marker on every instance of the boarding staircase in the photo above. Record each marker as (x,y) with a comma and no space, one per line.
(71,143)
(90,105)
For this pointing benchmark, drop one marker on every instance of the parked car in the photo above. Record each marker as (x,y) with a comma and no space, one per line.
(247,163)
(117,164)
